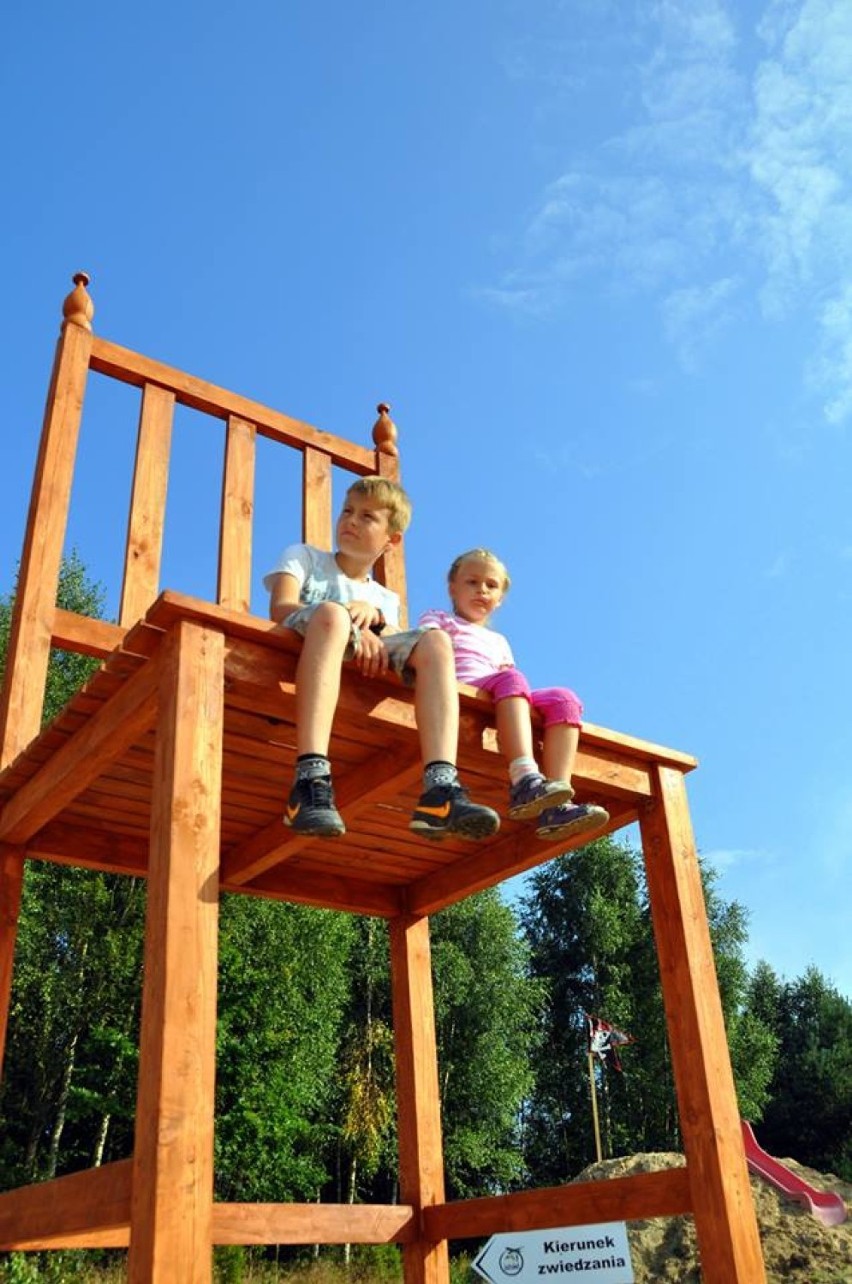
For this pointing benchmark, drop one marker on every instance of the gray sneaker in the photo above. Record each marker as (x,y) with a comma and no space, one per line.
(534,792)
(567,822)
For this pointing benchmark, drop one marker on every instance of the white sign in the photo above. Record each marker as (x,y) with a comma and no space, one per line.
(596,1254)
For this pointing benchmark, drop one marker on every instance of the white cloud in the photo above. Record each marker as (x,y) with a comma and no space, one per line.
(693,315)
(724,173)
(725,858)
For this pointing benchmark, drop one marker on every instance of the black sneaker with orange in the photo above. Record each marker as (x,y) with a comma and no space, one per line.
(310,809)
(446,809)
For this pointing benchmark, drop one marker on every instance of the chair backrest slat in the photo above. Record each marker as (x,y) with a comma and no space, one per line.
(316,499)
(147,504)
(235,527)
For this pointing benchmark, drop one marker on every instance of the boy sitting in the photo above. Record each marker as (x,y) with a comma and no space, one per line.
(342,613)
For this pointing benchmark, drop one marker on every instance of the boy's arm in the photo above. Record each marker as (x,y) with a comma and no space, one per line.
(283,596)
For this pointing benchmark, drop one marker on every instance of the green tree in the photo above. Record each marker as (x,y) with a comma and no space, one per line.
(809,1115)
(487,1009)
(283,985)
(588,922)
(70,1066)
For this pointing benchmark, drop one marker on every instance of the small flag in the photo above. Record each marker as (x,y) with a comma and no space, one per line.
(605,1040)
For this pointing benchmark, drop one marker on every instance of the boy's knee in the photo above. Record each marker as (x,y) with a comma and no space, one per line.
(330,619)
(435,647)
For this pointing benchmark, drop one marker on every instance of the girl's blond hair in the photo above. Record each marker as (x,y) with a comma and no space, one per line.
(480,555)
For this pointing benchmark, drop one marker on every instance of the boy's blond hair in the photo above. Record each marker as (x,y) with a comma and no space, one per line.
(387,494)
(480,555)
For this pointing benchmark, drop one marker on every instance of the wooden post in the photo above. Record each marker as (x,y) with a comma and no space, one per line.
(725,1222)
(172,1201)
(595,1120)
(35,598)
(11,882)
(421,1161)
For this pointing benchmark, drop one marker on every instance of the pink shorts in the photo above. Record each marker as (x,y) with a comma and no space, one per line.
(555,704)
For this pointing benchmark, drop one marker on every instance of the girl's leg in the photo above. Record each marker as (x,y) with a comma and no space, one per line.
(560,750)
(561,713)
(514,727)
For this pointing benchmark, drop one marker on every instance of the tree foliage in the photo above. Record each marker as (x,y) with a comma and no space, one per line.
(809,1112)
(588,921)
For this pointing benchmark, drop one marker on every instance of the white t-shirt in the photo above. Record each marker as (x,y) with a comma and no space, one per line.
(320,579)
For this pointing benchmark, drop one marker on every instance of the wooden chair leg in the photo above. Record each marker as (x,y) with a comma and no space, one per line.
(421,1159)
(172,1199)
(11,882)
(728,1239)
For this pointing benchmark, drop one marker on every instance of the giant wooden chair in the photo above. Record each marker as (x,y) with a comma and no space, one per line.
(171,763)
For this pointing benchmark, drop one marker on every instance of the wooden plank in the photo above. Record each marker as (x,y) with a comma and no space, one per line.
(325,891)
(725,1222)
(28,649)
(496,861)
(173,1160)
(11,882)
(234,577)
(144,547)
(72,768)
(312,1224)
(421,1162)
(94,1201)
(357,791)
(130,367)
(317,517)
(662,1194)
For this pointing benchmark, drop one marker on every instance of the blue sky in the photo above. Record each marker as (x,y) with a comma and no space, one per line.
(597,255)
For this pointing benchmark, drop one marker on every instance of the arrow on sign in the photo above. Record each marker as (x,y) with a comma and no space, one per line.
(599,1253)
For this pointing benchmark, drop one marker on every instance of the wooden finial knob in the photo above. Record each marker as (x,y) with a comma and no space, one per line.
(78,308)
(384,431)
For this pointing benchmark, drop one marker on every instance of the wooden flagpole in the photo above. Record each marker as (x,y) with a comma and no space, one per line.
(593,1091)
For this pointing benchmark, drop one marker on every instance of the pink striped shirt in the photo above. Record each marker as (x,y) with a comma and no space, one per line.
(478,651)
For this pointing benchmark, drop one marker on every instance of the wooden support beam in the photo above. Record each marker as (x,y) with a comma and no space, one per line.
(514,854)
(22,697)
(123,719)
(313,1224)
(421,1160)
(663,1194)
(11,882)
(52,1213)
(173,1158)
(74,632)
(725,1221)
(325,891)
(91,848)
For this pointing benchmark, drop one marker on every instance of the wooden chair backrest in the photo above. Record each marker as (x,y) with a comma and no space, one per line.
(37,622)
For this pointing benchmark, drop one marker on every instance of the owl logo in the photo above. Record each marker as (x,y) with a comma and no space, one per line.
(511,1261)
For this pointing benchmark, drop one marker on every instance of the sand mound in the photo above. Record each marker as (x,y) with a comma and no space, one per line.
(797,1248)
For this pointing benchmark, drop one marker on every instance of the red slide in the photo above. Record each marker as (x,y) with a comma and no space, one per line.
(825,1206)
